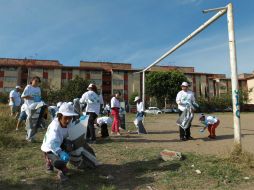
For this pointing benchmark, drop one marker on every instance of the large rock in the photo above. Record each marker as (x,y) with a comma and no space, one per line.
(169,155)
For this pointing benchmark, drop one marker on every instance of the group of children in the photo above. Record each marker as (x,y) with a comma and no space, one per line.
(54,146)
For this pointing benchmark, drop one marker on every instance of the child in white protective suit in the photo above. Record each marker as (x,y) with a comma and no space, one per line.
(55,146)
(211,123)
(32,97)
(140,116)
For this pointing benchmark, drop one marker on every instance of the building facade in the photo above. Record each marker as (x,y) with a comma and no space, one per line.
(109,77)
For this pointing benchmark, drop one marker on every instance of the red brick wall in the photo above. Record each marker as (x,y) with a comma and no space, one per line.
(45,75)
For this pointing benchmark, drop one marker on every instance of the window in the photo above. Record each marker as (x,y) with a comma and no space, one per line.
(118,72)
(116,90)
(36,70)
(118,82)
(10,79)
(10,69)
(95,72)
(107,83)
(67,75)
(107,73)
(8,89)
(97,82)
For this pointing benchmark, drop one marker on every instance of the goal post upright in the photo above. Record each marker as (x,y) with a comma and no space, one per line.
(233,61)
(234,75)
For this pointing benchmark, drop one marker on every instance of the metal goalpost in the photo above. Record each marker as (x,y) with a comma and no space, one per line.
(233,62)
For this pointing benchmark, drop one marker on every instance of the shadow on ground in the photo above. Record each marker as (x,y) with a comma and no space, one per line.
(126,176)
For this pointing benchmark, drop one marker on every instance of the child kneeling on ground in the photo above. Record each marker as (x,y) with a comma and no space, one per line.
(210,122)
(55,146)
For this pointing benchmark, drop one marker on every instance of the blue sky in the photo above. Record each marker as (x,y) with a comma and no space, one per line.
(125,31)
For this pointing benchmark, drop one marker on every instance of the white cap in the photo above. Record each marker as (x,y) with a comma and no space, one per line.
(201,116)
(19,87)
(67,110)
(136,98)
(59,104)
(185,84)
(90,86)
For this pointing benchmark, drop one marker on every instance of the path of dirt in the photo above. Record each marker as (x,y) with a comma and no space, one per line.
(163,133)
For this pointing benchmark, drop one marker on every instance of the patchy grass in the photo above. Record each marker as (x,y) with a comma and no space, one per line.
(125,166)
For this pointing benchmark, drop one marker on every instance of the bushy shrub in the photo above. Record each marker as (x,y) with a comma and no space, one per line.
(132,97)
(4,97)
(72,89)
(220,103)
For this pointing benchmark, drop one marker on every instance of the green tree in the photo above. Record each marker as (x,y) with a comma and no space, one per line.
(72,89)
(132,97)
(164,85)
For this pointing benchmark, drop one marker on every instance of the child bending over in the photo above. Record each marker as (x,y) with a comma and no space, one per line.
(210,122)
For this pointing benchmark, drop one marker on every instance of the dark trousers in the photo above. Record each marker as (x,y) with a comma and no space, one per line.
(104,130)
(90,135)
(41,115)
(184,133)
(55,161)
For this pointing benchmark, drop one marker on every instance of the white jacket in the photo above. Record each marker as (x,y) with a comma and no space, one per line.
(106,120)
(183,98)
(115,103)
(35,92)
(210,120)
(140,107)
(93,101)
(54,137)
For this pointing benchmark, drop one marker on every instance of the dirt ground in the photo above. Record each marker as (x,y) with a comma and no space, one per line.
(164,133)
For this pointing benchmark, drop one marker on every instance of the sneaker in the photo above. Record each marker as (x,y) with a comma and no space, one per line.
(190,138)
(118,134)
(112,133)
(61,176)
(183,139)
(30,140)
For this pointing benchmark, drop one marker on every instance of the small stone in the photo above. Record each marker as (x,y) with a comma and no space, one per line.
(192,166)
(246,178)
(169,155)
(198,171)
(23,180)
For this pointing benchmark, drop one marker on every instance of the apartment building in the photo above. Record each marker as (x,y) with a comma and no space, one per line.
(109,77)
